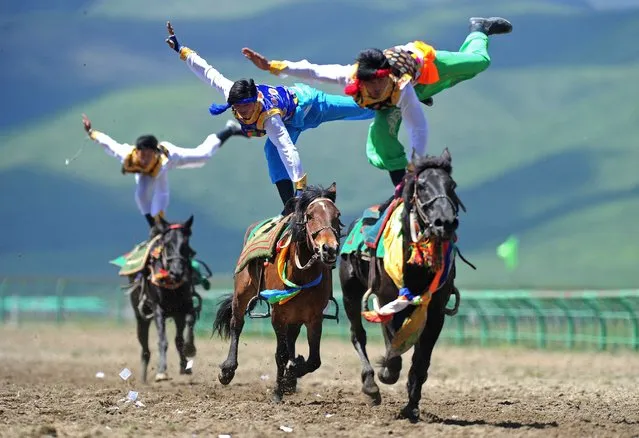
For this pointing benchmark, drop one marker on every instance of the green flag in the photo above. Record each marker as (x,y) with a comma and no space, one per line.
(508,252)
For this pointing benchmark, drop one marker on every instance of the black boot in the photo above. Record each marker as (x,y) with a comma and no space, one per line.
(231,128)
(490,26)
(285,189)
(149,220)
(397,176)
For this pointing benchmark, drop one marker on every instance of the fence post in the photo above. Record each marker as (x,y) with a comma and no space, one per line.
(570,340)
(627,305)
(459,333)
(541,322)
(512,321)
(484,331)
(603,332)
(59,291)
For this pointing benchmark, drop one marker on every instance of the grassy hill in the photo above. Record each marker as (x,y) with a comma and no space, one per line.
(542,143)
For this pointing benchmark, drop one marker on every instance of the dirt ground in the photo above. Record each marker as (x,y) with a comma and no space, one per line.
(49,387)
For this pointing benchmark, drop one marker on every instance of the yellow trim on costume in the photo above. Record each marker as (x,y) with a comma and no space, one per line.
(131,164)
(185,52)
(276,67)
(159,215)
(300,184)
(266,115)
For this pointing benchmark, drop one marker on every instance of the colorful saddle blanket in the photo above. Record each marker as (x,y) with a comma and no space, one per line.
(135,260)
(367,232)
(261,240)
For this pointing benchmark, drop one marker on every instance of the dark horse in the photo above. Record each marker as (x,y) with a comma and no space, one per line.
(164,289)
(311,253)
(430,212)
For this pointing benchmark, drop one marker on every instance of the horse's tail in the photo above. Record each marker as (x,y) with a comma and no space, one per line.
(222,323)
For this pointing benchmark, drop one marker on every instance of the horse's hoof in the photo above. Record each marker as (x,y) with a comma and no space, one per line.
(410,414)
(387,377)
(373,393)
(159,377)
(290,387)
(189,350)
(226,376)
(277,397)
(186,371)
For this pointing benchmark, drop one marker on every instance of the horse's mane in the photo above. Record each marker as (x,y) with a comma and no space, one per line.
(432,162)
(298,221)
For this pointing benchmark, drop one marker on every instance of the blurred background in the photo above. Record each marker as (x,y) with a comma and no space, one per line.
(543,142)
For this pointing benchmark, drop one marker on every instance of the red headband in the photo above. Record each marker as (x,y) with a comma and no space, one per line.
(354,87)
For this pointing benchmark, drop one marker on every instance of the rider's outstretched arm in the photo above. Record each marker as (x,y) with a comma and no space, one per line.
(189,158)
(198,65)
(206,72)
(328,73)
(110,146)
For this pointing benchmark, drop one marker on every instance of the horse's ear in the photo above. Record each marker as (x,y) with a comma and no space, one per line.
(188,222)
(332,189)
(446,155)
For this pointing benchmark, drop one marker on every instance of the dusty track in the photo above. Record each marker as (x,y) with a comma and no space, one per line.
(48,385)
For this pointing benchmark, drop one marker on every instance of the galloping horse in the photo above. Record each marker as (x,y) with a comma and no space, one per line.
(163,289)
(412,279)
(297,280)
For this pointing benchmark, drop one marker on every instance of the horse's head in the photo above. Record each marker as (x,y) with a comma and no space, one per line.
(316,221)
(430,193)
(176,252)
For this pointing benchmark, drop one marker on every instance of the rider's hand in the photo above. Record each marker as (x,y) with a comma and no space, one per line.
(259,60)
(87,123)
(172,39)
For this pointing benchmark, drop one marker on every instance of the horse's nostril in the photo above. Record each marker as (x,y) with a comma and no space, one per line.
(438,223)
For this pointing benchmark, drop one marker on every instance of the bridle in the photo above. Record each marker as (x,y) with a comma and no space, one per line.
(312,234)
(421,207)
(165,258)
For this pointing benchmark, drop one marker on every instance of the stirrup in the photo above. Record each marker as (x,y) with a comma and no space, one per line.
(256,300)
(336,315)
(453,311)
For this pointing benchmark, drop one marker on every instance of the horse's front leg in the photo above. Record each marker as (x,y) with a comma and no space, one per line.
(291,372)
(281,358)
(418,372)
(245,289)
(352,293)
(180,324)
(391,367)
(163,343)
(189,318)
(314,337)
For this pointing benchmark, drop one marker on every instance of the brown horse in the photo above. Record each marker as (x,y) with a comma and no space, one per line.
(428,220)
(307,261)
